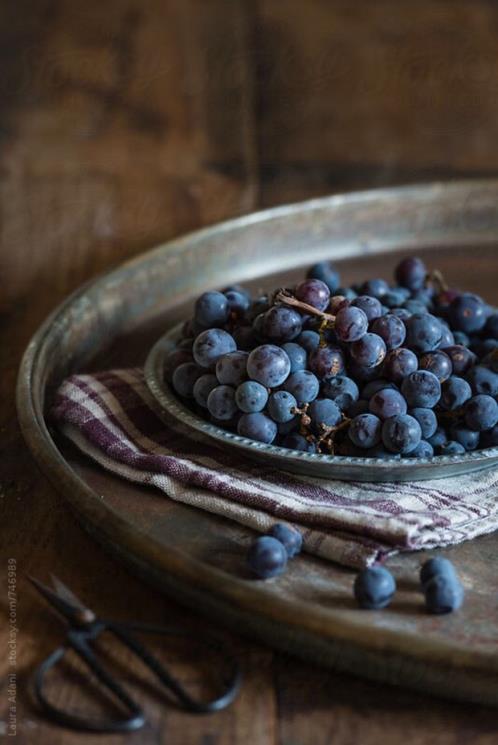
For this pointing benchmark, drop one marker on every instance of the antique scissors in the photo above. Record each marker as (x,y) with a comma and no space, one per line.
(84,627)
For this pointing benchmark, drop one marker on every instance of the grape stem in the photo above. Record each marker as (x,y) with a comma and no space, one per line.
(286,299)
(436,277)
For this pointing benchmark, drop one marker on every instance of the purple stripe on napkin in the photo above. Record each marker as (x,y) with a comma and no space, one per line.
(111,416)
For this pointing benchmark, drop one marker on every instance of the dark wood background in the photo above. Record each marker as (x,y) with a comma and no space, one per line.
(123,123)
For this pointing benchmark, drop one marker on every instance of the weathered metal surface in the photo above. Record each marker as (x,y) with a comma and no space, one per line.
(308,464)
(200,557)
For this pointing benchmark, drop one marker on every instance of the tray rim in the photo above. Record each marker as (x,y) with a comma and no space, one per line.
(324,630)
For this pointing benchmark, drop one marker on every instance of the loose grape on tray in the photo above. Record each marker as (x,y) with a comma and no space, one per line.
(374,370)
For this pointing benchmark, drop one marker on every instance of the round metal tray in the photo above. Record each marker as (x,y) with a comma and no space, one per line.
(113,322)
(308,464)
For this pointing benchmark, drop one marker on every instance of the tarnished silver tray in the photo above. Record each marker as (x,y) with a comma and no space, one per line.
(199,557)
(308,464)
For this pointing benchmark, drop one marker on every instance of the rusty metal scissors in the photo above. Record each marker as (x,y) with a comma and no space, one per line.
(84,627)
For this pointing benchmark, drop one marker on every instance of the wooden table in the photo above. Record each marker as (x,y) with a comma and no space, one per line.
(126,123)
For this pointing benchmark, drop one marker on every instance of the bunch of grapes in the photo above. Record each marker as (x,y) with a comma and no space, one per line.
(376,370)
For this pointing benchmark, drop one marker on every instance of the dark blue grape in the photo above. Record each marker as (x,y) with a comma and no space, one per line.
(396,296)
(371,307)
(427,420)
(258,307)
(374,386)
(438,363)
(466,437)
(210,345)
(391,329)
(342,390)
(211,310)
(423,450)
(309,340)
(238,302)
(402,313)
(484,346)
(460,338)
(364,374)
(323,411)
(415,307)
(481,413)
(491,328)
(203,387)
(421,389)
(424,295)
(257,427)
(423,332)
(295,441)
(296,354)
(251,397)
(314,292)
(221,403)
(387,403)
(411,273)
(447,338)
(461,358)
(369,351)
(435,567)
(231,368)
(374,588)
(400,363)
(281,406)
(290,538)
(267,557)
(377,288)
(268,365)
(454,393)
(257,327)
(184,378)
(365,431)
(452,447)
(401,434)
(326,272)
(438,439)
(483,380)
(238,288)
(303,385)
(326,362)
(350,324)
(443,594)
(174,359)
(346,292)
(281,324)
(468,313)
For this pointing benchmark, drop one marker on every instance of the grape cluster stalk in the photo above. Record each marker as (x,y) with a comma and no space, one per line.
(376,369)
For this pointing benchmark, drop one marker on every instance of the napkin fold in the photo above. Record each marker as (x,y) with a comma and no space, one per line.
(111,417)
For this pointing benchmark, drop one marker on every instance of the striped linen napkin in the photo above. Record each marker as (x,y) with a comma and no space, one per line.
(110,416)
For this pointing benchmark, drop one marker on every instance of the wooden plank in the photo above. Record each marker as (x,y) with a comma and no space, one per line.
(374,93)
(113,127)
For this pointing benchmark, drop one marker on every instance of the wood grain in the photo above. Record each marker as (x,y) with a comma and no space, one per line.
(123,124)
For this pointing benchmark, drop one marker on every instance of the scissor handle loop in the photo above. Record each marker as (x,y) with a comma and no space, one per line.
(134,721)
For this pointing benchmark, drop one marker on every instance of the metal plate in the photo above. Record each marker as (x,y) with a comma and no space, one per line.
(308,464)
(199,557)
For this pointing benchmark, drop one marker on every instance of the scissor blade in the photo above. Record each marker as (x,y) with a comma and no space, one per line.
(66,594)
(65,608)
